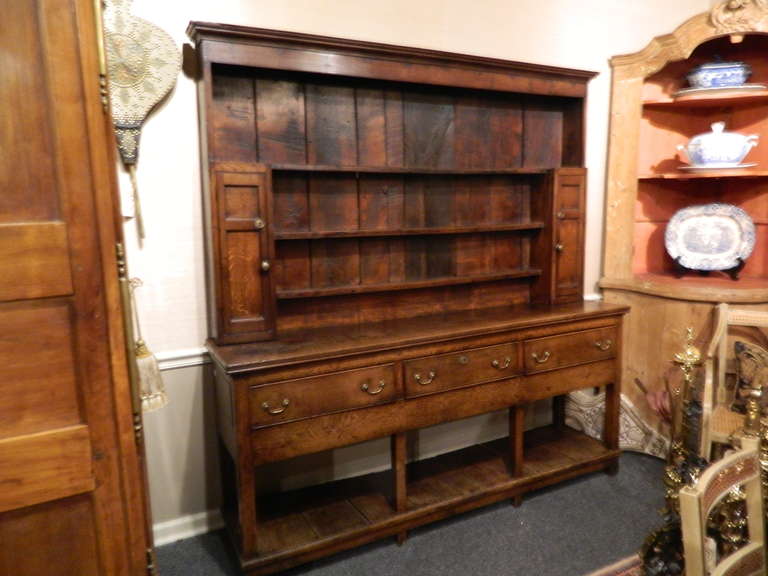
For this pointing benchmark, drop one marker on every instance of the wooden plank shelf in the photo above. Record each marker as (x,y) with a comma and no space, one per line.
(409,170)
(343,514)
(729,173)
(409,285)
(714,99)
(491,228)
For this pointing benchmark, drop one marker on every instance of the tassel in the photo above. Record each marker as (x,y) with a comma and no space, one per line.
(153,394)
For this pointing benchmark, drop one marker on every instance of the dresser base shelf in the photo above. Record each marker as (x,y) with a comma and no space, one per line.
(295,528)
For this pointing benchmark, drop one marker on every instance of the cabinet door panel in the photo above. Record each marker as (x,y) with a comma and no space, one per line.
(568,259)
(71,485)
(241,220)
(569,206)
(60,538)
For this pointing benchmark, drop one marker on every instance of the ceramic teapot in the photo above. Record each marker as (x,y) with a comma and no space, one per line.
(718,149)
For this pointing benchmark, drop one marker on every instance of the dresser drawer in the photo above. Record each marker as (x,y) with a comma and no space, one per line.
(569,349)
(306,397)
(459,369)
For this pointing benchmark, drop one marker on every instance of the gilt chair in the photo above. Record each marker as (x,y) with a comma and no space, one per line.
(720,423)
(739,469)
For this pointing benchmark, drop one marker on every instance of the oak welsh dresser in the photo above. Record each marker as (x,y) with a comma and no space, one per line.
(395,240)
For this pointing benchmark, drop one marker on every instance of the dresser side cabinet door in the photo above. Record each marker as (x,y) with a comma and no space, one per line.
(243,256)
(569,209)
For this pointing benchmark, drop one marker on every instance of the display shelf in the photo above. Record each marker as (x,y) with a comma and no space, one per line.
(714,288)
(730,173)
(722,99)
(283,294)
(296,526)
(443,230)
(408,170)
(298,518)
(358,338)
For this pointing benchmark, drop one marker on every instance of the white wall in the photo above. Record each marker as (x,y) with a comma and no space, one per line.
(583,34)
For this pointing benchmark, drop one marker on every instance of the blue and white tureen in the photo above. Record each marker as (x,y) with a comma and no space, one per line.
(718,149)
(719,75)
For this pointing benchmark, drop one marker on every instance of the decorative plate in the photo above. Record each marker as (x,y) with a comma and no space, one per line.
(710,237)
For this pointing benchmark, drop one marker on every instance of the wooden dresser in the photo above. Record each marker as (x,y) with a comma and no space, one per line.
(395,240)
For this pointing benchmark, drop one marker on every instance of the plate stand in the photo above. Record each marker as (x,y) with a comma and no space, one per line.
(734,272)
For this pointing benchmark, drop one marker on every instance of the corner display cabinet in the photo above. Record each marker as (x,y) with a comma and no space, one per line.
(646,186)
(395,240)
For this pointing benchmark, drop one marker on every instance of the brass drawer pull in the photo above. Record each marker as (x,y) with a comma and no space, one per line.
(366,388)
(604,345)
(428,380)
(258,224)
(559,247)
(541,359)
(276,411)
(499,366)
(463,360)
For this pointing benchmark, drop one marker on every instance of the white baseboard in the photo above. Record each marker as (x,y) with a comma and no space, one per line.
(187,527)
(185,358)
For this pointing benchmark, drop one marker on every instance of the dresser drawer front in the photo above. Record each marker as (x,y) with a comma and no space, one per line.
(569,349)
(460,369)
(306,397)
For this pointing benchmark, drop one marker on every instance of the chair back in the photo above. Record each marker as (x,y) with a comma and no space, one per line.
(740,469)
(715,364)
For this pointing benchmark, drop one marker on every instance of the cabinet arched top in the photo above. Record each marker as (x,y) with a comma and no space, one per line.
(729,17)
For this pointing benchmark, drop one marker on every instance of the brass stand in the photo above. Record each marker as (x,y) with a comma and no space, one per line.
(662,552)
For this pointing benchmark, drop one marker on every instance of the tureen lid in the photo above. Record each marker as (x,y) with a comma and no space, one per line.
(715,65)
(717,128)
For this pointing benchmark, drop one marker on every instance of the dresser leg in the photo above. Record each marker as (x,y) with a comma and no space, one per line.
(516,437)
(611,424)
(516,431)
(558,412)
(399,464)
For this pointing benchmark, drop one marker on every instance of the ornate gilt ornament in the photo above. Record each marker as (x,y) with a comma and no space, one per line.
(735,16)
(143,63)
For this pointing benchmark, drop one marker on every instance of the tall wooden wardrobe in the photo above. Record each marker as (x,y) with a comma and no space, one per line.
(72,498)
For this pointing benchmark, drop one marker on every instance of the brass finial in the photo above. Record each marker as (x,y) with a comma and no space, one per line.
(690,356)
(752,420)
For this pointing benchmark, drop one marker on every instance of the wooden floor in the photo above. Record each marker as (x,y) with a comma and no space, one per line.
(349,512)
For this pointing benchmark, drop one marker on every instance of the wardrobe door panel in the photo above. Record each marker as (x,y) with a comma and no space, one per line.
(72,498)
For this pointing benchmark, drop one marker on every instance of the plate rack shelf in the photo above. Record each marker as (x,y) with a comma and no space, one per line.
(660,187)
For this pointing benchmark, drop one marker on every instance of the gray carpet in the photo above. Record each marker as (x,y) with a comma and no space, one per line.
(568,530)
